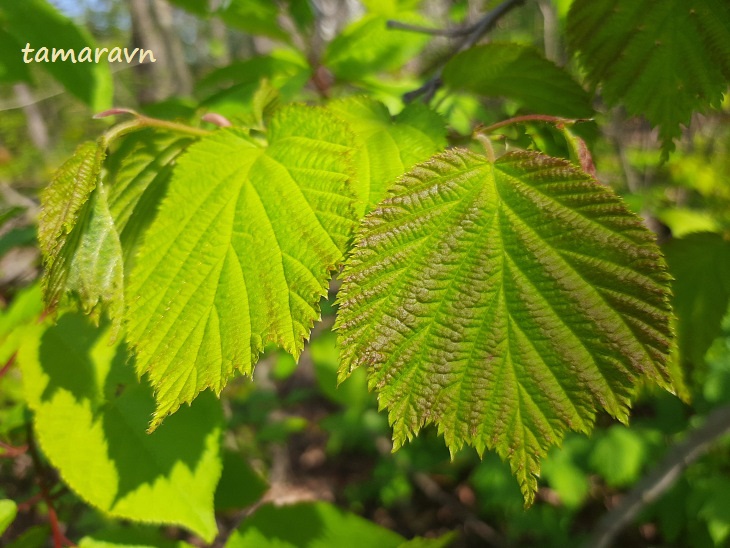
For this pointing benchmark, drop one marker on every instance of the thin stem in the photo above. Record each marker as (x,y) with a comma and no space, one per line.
(451,33)
(661,479)
(531,118)
(140,122)
(470,36)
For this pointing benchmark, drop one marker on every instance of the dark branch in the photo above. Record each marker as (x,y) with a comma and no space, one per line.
(470,36)
(661,479)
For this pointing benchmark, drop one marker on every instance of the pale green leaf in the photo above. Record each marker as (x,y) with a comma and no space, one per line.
(38,23)
(388,146)
(368,47)
(240,252)
(506,303)
(81,248)
(8,511)
(662,59)
(137,178)
(619,456)
(24,309)
(310,525)
(520,73)
(90,417)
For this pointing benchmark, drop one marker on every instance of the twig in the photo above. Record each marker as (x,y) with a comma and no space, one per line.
(11,451)
(451,33)
(662,478)
(8,365)
(433,491)
(471,35)
(59,539)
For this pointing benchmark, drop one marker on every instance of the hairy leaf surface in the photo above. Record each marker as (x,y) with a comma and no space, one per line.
(389,146)
(663,59)
(519,73)
(506,303)
(240,252)
(90,417)
(81,248)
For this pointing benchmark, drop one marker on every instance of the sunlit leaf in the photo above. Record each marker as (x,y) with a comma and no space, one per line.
(506,303)
(240,252)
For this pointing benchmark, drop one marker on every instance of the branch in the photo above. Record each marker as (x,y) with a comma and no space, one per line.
(661,479)
(470,36)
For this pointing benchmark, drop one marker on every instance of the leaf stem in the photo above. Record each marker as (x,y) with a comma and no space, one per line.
(558,121)
(470,36)
(141,121)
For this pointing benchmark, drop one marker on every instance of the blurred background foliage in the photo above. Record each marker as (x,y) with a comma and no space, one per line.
(293,436)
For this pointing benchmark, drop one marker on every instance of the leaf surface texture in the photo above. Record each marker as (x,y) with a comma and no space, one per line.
(240,252)
(506,303)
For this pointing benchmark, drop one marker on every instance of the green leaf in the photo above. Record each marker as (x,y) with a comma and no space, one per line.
(505,302)
(90,416)
(196,7)
(138,175)
(130,537)
(8,511)
(700,265)
(25,308)
(240,252)
(520,73)
(310,525)
(239,486)
(38,23)
(254,17)
(390,146)
(367,46)
(81,248)
(12,67)
(619,456)
(662,59)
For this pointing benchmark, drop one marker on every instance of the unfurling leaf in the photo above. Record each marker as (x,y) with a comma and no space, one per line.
(506,303)
(240,252)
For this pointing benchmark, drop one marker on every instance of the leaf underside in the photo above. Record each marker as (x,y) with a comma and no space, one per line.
(663,59)
(240,252)
(506,303)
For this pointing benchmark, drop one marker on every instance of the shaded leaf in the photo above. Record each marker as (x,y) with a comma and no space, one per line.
(38,23)
(506,303)
(79,385)
(700,265)
(662,59)
(240,252)
(310,525)
(519,73)
(390,145)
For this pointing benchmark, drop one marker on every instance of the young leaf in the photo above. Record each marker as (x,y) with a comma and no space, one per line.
(240,252)
(90,416)
(76,232)
(519,73)
(505,302)
(38,23)
(390,146)
(8,511)
(663,59)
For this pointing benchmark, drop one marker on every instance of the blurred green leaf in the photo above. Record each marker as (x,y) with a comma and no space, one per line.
(619,456)
(8,511)
(38,23)
(368,47)
(239,485)
(12,67)
(520,73)
(700,265)
(197,7)
(310,525)
(90,419)
(253,16)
